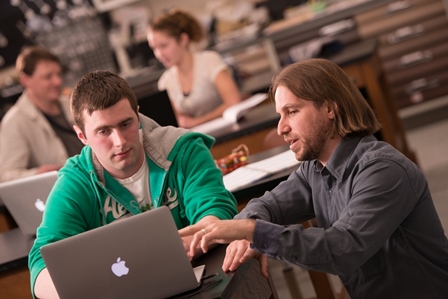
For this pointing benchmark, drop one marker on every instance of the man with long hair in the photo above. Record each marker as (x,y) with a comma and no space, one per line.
(378,229)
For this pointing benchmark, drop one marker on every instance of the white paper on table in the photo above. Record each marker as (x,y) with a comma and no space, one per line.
(253,172)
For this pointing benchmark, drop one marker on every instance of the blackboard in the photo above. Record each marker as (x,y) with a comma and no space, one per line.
(10,16)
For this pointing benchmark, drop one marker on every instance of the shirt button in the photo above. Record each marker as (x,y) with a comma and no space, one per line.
(265,246)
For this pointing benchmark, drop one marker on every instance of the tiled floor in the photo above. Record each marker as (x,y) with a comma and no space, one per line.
(430,143)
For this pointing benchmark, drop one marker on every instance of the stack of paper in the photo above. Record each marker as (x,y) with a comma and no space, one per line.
(253,172)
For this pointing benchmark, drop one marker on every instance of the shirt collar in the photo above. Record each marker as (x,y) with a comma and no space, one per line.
(337,164)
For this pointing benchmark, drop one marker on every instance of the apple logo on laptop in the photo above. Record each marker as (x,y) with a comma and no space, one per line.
(40,205)
(119,268)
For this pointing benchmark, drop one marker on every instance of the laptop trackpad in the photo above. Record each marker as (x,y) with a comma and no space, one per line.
(198,271)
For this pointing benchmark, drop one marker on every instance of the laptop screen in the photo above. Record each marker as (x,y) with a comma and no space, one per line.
(157,106)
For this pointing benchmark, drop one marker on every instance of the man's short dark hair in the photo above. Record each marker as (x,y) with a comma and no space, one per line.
(99,90)
(30,56)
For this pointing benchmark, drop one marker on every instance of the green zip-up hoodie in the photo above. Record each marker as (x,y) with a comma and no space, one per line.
(182,176)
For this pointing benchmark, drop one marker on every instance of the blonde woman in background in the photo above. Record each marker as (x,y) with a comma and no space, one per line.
(199,83)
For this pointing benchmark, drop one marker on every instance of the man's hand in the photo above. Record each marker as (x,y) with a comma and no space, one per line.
(239,252)
(186,239)
(218,231)
(239,233)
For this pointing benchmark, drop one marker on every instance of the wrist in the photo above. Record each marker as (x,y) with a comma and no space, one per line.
(208,219)
(250,229)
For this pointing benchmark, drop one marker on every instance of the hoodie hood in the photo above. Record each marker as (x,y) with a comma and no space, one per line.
(161,145)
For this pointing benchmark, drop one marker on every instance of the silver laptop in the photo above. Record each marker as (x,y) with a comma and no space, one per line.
(14,249)
(138,257)
(25,199)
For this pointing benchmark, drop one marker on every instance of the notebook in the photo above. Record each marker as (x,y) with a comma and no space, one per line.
(157,106)
(138,257)
(231,115)
(25,199)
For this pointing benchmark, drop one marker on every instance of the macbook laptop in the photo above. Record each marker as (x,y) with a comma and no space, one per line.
(157,106)
(25,199)
(138,257)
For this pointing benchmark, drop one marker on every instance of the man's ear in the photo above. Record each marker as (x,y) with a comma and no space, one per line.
(331,110)
(23,79)
(80,135)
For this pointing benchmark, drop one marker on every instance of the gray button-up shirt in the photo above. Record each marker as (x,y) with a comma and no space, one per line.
(378,228)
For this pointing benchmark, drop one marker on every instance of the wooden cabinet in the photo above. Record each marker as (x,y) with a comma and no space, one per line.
(342,31)
(427,86)
(393,15)
(256,61)
(413,42)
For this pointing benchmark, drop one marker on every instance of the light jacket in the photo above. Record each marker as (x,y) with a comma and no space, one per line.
(28,141)
(182,176)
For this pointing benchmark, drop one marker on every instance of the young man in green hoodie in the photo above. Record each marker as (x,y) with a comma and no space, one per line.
(129,164)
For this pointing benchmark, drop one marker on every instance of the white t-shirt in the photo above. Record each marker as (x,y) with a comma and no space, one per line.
(138,185)
(203,96)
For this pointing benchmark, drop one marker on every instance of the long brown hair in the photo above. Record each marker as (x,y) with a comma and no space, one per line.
(319,81)
(175,22)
